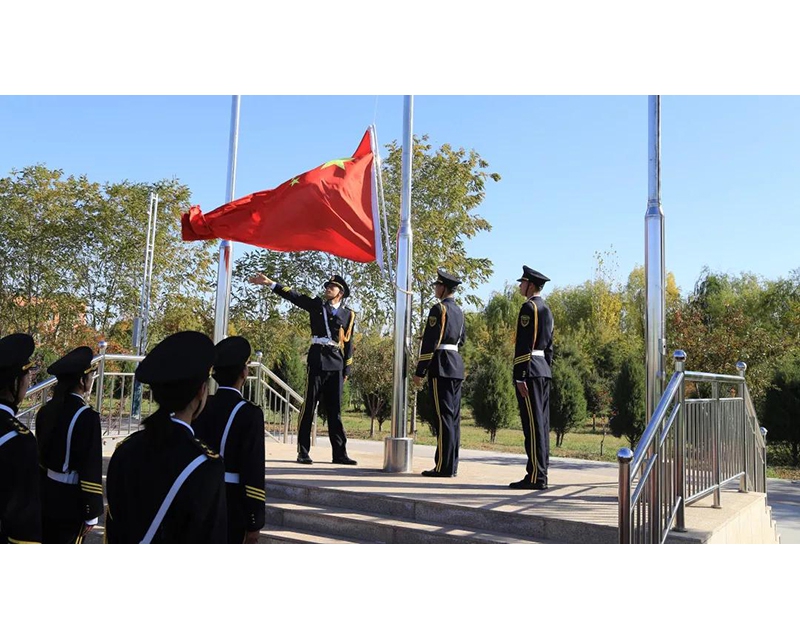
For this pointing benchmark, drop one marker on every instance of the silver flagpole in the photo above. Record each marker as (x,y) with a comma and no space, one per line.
(225,268)
(398,451)
(655,274)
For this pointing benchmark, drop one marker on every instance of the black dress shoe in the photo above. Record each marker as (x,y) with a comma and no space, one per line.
(344,460)
(433,473)
(525,484)
(304,459)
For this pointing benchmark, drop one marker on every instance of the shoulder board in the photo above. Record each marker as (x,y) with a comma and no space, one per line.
(205,448)
(20,428)
(124,440)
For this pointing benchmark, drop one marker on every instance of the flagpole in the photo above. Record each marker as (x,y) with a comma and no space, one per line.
(225,267)
(654,266)
(398,452)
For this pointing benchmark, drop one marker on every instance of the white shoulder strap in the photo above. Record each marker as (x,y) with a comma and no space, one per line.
(228,427)
(7,437)
(171,496)
(69,435)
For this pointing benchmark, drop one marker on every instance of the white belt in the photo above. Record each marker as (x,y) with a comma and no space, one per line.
(232,478)
(63,478)
(324,341)
(447,347)
(537,352)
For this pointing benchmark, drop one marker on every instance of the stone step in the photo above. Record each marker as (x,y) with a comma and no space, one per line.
(373,527)
(286,535)
(514,526)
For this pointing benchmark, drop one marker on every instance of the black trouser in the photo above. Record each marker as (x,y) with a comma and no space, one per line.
(446,396)
(62,531)
(325,386)
(61,512)
(534,411)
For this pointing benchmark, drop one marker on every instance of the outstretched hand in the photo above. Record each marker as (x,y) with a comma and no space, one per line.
(260,278)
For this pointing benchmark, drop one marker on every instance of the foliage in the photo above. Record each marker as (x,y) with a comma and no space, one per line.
(628,401)
(493,402)
(782,407)
(567,400)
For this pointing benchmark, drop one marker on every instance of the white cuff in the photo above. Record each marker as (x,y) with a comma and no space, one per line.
(92,522)
(272,286)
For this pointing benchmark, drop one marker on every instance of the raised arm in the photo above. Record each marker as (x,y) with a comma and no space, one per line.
(298,299)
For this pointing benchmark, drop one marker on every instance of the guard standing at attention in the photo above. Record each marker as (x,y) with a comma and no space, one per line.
(70,452)
(440,360)
(235,428)
(163,484)
(533,356)
(330,358)
(20,505)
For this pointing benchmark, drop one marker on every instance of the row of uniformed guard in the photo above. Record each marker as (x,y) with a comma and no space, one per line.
(194,473)
(533,355)
(331,356)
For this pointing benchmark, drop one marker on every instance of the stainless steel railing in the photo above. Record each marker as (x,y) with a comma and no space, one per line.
(690,449)
(113,394)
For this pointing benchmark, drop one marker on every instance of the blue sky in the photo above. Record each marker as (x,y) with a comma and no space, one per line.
(574,168)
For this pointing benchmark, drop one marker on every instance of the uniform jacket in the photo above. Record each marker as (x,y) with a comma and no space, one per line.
(140,474)
(20,507)
(444,326)
(82,501)
(340,325)
(534,333)
(243,455)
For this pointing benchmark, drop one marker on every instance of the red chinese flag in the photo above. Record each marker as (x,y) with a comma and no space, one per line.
(326,209)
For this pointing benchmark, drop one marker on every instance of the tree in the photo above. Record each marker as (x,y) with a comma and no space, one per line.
(449,184)
(567,402)
(493,402)
(71,258)
(628,401)
(372,376)
(782,406)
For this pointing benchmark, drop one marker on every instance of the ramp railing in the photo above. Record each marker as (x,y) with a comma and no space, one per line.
(690,449)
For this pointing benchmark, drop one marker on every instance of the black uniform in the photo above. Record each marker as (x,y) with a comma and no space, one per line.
(533,355)
(141,474)
(163,484)
(243,453)
(440,360)
(330,357)
(71,456)
(20,507)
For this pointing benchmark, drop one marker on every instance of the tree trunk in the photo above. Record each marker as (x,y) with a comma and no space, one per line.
(594,421)
(796,453)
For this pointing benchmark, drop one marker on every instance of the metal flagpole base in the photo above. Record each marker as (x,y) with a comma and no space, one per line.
(398,455)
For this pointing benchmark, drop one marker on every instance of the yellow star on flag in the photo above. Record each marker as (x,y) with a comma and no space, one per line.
(338,162)
(295,181)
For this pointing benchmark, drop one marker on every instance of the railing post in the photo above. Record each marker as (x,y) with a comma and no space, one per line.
(258,396)
(101,373)
(741,367)
(680,445)
(624,457)
(715,444)
(287,416)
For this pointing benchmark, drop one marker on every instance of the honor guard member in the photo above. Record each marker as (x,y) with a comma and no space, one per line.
(20,506)
(330,358)
(533,355)
(70,452)
(235,428)
(440,360)
(163,484)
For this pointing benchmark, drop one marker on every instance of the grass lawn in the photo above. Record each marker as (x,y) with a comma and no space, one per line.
(581,443)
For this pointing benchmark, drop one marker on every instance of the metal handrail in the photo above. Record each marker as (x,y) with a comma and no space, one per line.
(689,450)
(114,405)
